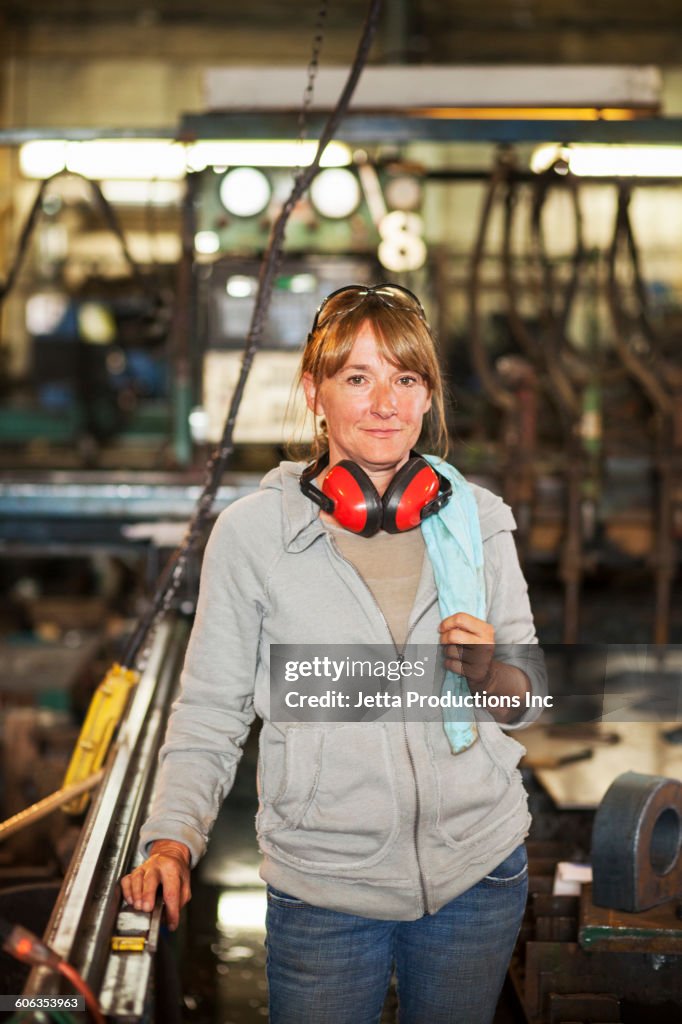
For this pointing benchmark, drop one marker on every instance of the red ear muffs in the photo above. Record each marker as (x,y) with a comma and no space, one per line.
(357,504)
(411,489)
(415,492)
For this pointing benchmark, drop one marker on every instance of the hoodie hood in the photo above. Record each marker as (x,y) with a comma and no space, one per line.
(493,513)
(300,516)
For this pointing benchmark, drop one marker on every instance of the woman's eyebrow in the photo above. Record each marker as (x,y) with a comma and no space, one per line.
(364,366)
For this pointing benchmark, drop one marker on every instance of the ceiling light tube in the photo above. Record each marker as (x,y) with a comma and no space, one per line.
(611,161)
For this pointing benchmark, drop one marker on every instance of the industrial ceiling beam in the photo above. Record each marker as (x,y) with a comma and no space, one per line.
(370,128)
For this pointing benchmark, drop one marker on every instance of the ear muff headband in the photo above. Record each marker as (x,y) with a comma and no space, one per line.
(416,491)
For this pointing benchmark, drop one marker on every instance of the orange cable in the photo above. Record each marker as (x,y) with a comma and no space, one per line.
(81,986)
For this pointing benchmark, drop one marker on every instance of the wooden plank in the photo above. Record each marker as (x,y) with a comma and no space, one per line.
(658,930)
(585,1008)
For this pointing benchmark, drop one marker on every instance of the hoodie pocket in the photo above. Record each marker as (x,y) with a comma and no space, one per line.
(476,791)
(336,805)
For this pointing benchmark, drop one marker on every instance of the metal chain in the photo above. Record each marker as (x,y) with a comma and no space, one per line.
(313,68)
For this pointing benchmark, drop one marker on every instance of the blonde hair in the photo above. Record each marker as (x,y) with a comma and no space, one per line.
(403,338)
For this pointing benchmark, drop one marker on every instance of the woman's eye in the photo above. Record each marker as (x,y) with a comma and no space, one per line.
(408,380)
(356,379)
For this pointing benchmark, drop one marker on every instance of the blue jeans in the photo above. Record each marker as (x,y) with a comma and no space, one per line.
(326,967)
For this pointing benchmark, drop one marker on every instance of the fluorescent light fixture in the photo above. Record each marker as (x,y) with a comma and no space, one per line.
(245,192)
(164,160)
(114,158)
(627,161)
(264,153)
(105,158)
(609,161)
(335,193)
(206,242)
(143,193)
(544,156)
(42,158)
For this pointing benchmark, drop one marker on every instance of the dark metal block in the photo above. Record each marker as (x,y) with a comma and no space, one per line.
(636,842)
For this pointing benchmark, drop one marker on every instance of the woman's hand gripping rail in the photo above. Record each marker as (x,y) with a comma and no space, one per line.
(168,866)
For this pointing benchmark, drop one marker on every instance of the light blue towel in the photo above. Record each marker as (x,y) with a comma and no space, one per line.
(455,548)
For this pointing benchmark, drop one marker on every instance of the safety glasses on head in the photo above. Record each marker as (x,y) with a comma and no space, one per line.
(394,296)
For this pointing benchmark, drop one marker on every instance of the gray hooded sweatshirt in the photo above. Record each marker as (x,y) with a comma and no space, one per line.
(377,818)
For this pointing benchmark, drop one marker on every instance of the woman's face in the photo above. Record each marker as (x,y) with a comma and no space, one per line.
(373,409)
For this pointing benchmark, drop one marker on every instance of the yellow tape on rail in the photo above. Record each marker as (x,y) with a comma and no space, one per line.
(105,712)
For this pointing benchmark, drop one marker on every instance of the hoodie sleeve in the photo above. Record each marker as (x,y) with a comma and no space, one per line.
(210,720)
(508,605)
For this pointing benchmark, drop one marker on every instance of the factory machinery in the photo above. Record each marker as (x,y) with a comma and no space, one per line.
(589,390)
(116,951)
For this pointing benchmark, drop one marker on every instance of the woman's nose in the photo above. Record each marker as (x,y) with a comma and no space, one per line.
(383,400)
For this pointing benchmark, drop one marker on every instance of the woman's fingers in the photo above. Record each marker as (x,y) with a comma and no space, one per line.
(171,873)
(150,883)
(471,654)
(127,888)
(139,887)
(469,645)
(172,886)
(464,628)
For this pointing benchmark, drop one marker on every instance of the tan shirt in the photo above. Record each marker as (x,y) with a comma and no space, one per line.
(391,566)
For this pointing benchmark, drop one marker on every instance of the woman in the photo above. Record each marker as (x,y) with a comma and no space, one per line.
(386,844)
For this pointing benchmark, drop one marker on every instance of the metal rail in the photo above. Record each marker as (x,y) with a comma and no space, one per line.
(86,913)
(112,495)
(411,126)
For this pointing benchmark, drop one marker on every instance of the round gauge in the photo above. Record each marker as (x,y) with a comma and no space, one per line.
(402,247)
(403,192)
(335,193)
(245,191)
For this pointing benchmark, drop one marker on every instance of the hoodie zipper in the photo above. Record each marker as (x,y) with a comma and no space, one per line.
(401,657)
